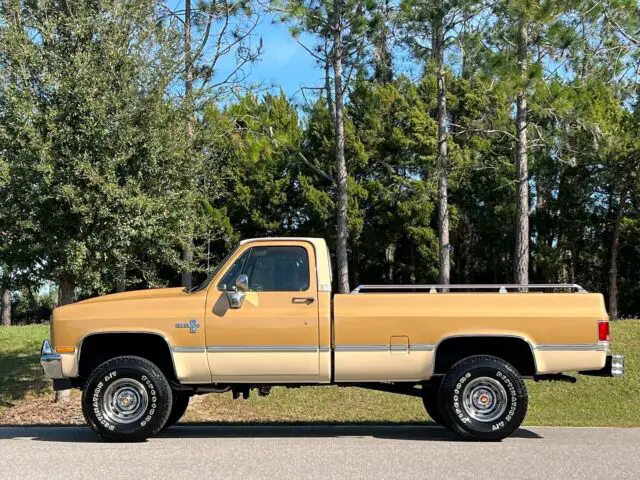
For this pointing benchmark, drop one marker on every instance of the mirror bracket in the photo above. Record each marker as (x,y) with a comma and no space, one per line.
(235,298)
(237,293)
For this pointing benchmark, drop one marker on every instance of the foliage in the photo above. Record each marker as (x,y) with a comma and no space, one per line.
(100,184)
(96,181)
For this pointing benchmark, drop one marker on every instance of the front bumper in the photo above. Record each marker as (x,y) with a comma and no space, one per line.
(614,367)
(51,361)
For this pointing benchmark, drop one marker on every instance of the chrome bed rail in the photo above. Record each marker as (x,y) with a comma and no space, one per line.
(439,288)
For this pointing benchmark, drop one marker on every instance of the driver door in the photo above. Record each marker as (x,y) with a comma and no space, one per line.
(273,336)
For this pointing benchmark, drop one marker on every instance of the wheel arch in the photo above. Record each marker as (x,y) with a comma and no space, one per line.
(453,348)
(129,343)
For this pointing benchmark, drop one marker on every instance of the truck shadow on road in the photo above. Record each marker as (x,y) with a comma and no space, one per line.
(387,431)
(400,431)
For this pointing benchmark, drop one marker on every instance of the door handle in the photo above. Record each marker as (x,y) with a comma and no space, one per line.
(305,300)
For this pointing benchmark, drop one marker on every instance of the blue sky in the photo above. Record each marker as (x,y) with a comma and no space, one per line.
(284,62)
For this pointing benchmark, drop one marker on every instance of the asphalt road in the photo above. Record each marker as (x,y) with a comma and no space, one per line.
(275,452)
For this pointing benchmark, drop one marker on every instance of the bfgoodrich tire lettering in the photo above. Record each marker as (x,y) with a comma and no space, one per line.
(483,398)
(126,399)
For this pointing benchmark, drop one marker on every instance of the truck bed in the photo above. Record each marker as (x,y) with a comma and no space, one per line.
(399,332)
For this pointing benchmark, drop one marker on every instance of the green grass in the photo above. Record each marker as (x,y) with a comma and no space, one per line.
(590,402)
(20,371)
(594,401)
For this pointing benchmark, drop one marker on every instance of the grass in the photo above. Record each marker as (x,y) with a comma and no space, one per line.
(590,402)
(20,373)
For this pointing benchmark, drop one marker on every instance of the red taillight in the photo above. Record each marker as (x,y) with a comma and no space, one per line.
(603,332)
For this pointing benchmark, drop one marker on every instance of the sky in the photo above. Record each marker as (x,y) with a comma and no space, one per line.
(284,62)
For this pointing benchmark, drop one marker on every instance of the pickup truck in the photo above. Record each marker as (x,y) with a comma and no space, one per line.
(266,317)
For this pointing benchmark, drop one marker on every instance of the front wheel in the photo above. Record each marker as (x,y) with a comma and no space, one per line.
(126,399)
(483,398)
(178,409)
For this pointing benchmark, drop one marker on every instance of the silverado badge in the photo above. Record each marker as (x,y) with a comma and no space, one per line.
(192,325)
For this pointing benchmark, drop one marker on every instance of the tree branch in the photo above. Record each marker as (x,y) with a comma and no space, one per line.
(316,168)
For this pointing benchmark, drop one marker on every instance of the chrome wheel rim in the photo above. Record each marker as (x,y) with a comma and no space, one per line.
(484,399)
(125,401)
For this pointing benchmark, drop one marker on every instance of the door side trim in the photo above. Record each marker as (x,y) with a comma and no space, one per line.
(265,348)
(416,347)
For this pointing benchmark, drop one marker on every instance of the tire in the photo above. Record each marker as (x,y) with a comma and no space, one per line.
(131,380)
(431,405)
(483,398)
(180,404)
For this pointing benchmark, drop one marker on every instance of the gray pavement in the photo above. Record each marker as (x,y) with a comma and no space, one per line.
(354,451)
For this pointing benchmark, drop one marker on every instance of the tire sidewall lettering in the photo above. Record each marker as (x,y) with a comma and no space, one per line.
(457,391)
(512,400)
(516,398)
(94,401)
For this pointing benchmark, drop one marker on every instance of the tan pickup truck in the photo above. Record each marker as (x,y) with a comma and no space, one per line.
(266,317)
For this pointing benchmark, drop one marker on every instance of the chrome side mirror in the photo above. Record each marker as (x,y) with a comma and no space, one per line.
(237,294)
(242,283)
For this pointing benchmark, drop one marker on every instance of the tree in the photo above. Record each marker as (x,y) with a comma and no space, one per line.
(340,28)
(212,32)
(526,37)
(260,145)
(395,137)
(438,22)
(6,299)
(92,166)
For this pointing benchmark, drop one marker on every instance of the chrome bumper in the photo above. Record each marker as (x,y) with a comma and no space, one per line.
(614,367)
(617,365)
(51,361)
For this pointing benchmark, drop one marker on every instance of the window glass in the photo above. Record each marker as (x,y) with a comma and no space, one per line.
(277,269)
(234,271)
(213,273)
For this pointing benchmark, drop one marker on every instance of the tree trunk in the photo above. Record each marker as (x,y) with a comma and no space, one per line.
(186,277)
(66,289)
(327,86)
(5,320)
(615,249)
(187,254)
(121,281)
(442,164)
(390,257)
(341,165)
(521,258)
(383,65)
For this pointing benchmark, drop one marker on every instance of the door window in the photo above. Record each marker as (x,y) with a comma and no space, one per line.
(229,279)
(271,269)
(278,269)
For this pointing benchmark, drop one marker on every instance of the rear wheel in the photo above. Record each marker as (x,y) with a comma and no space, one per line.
(483,398)
(178,409)
(430,402)
(126,399)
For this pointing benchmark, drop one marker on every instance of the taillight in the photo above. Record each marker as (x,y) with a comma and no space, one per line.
(603,332)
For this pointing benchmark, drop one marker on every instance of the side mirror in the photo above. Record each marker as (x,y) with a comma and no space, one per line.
(242,283)
(237,294)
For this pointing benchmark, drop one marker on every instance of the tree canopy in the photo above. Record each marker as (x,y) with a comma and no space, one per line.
(113,163)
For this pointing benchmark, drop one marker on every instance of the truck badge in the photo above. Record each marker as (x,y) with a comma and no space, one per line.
(192,325)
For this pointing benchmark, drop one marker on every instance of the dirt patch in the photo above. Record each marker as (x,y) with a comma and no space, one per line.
(43,411)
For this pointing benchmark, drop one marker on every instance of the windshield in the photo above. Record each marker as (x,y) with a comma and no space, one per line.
(207,280)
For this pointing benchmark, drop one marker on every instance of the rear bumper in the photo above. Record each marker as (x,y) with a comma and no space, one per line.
(51,361)
(614,367)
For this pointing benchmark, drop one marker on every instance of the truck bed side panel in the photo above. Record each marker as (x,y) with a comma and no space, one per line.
(370,328)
